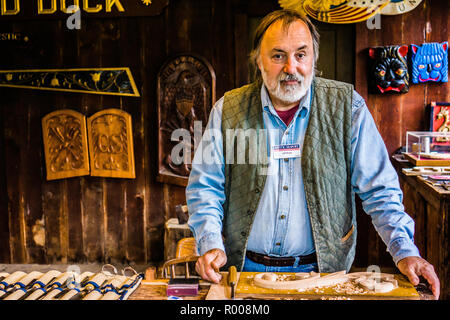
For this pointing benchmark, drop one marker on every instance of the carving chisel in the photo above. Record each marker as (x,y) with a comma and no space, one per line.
(232,279)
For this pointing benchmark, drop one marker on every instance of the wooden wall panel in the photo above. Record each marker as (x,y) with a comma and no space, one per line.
(91,219)
(395,114)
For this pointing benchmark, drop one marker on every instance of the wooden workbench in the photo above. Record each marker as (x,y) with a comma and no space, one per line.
(156,290)
(429,206)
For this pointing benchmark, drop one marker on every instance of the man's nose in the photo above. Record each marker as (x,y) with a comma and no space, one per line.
(290,67)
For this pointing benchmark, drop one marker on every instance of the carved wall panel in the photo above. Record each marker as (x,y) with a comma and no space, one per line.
(106,81)
(186,94)
(111,144)
(65,144)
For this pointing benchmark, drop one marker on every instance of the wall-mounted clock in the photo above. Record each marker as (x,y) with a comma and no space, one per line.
(400,6)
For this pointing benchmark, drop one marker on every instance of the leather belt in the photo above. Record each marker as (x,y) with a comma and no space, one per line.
(280,261)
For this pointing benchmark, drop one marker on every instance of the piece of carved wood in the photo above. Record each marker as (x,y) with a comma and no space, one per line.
(65,144)
(186,94)
(111,144)
(264,281)
(106,81)
(376,282)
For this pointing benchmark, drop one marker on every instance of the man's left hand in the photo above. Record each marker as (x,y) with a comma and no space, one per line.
(413,267)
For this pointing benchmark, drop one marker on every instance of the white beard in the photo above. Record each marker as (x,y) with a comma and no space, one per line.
(289,93)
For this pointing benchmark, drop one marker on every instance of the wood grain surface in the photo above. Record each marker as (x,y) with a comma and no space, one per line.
(247,289)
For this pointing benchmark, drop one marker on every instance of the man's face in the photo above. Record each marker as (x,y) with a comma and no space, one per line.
(286,62)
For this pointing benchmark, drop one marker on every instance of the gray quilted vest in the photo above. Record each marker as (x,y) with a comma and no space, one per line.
(326,160)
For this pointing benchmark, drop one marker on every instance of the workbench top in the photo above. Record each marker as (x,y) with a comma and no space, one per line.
(156,290)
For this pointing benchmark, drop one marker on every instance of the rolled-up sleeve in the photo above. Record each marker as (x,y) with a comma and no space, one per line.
(376,182)
(205,193)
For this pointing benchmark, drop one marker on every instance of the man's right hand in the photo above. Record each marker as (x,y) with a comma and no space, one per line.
(208,265)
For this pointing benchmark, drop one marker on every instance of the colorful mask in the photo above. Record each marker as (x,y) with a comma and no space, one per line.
(389,72)
(430,62)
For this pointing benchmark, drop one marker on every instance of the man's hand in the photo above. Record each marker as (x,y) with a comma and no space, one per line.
(413,267)
(208,265)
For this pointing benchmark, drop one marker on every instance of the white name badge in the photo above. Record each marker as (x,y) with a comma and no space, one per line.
(286,151)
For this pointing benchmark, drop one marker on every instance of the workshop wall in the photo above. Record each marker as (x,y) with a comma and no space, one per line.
(395,114)
(93,219)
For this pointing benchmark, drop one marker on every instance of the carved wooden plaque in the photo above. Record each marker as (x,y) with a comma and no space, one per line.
(186,94)
(111,144)
(65,144)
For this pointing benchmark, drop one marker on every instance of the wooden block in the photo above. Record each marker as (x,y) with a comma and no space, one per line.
(111,144)
(65,144)
(246,288)
(150,273)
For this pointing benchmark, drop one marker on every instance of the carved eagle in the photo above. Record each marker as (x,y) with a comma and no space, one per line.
(336,11)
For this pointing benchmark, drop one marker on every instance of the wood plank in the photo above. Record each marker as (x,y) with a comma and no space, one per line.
(149,62)
(34,162)
(437,31)
(93,210)
(134,189)
(74,213)
(5,256)
(115,232)
(246,289)
(242,49)
(13,141)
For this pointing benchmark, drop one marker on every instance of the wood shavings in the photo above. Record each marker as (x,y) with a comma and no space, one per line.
(340,283)
(335,298)
(349,288)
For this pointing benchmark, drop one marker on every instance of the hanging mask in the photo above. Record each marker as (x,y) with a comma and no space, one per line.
(389,70)
(430,62)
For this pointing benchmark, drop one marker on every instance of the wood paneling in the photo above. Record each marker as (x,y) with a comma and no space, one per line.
(87,219)
(395,114)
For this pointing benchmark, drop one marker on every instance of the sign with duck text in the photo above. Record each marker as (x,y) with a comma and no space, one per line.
(26,9)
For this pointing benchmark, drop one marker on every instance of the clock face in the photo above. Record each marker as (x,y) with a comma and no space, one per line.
(400,6)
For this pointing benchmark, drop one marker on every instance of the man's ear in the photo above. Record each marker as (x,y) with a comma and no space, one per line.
(258,63)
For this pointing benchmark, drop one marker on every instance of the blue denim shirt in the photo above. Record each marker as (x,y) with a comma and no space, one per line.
(282,225)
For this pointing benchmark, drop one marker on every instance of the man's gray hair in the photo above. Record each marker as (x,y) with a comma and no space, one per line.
(287,17)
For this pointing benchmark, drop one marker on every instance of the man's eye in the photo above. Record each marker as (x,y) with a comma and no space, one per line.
(437,65)
(399,72)
(277,56)
(300,55)
(382,73)
(421,66)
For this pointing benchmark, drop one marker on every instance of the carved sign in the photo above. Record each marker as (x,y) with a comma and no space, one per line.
(186,94)
(111,144)
(16,9)
(65,144)
(109,81)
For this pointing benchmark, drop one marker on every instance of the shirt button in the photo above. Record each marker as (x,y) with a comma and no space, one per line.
(282,216)
(285,187)
(278,244)
(287,132)
(286,159)
(256,190)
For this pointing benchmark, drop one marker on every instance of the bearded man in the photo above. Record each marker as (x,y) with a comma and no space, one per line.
(317,145)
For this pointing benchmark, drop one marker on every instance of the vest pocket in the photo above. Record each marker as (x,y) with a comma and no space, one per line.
(348,234)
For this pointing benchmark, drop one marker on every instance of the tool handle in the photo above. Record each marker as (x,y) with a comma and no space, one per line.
(232,275)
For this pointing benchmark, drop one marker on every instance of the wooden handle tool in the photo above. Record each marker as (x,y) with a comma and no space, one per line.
(232,280)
